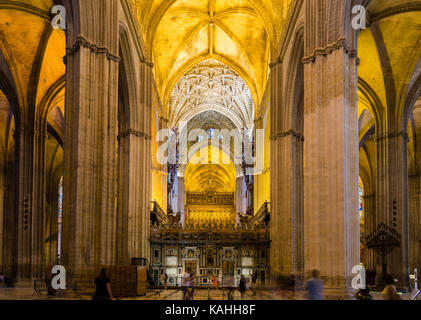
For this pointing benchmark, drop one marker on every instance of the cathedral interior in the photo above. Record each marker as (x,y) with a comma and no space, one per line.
(213,137)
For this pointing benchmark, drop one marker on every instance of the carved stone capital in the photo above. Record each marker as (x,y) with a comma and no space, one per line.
(134,133)
(82,42)
(337,45)
(287,133)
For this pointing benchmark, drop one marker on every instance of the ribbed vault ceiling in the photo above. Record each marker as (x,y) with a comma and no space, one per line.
(211,85)
(240,33)
(210,171)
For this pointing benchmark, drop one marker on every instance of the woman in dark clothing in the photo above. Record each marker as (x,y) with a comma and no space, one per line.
(291,286)
(103,288)
(243,286)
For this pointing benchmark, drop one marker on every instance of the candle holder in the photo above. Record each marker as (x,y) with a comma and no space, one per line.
(383,240)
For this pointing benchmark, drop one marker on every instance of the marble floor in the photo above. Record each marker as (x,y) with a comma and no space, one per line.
(170,294)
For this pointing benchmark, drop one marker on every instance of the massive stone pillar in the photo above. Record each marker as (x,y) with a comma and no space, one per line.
(135,175)
(181,201)
(51,219)
(286,224)
(240,199)
(31,205)
(142,230)
(10,221)
(369,205)
(89,209)
(392,198)
(140,195)
(415,222)
(331,221)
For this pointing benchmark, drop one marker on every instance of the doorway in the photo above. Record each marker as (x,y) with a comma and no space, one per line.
(191,267)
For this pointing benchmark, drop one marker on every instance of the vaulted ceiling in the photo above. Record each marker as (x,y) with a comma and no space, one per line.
(211,85)
(239,33)
(389,50)
(32,58)
(210,171)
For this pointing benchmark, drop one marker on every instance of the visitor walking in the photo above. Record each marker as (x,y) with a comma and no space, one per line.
(281,287)
(103,288)
(314,286)
(2,281)
(185,285)
(192,287)
(291,286)
(48,283)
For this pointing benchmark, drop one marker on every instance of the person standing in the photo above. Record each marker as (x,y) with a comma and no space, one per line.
(243,287)
(215,282)
(254,282)
(48,283)
(103,287)
(291,286)
(163,281)
(186,285)
(390,292)
(314,286)
(2,281)
(166,282)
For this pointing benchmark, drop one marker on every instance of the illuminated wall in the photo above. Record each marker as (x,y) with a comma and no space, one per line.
(159,170)
(210,183)
(262,179)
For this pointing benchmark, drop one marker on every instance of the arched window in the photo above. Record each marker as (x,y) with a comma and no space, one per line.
(59,219)
(361,216)
(211,133)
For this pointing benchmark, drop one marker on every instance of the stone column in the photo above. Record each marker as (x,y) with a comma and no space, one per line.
(135,194)
(240,201)
(415,222)
(181,199)
(123,196)
(31,206)
(39,204)
(331,221)
(10,218)
(392,198)
(90,180)
(52,218)
(369,225)
(25,209)
(286,250)
(145,149)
